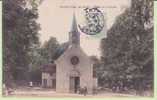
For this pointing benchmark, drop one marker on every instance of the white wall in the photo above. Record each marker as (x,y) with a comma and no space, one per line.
(64,67)
(48,77)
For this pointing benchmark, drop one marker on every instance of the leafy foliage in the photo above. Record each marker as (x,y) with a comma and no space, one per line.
(49,49)
(42,55)
(127,52)
(20,32)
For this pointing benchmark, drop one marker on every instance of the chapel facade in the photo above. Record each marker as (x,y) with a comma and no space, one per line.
(73,68)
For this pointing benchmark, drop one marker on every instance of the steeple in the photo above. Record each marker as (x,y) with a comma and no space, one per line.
(74,35)
(74,24)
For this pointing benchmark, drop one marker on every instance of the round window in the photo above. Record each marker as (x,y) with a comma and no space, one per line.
(74,60)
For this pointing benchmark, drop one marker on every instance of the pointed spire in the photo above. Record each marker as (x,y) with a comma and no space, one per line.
(74,35)
(74,24)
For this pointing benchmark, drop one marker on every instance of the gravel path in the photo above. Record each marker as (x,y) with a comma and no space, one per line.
(39,92)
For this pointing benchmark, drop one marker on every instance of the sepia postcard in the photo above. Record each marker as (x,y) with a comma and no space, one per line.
(78,48)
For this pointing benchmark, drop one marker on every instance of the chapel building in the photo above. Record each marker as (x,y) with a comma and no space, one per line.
(73,68)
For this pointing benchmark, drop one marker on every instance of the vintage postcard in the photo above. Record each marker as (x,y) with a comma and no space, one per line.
(78,48)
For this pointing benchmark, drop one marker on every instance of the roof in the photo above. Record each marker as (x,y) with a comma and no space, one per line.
(49,68)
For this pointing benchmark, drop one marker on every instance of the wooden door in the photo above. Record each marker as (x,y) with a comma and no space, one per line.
(74,84)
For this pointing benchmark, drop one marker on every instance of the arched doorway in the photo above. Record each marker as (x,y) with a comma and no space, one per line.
(74,81)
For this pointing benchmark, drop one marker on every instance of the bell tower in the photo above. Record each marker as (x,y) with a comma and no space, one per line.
(74,35)
(78,65)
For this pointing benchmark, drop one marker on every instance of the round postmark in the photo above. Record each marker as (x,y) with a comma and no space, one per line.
(94,21)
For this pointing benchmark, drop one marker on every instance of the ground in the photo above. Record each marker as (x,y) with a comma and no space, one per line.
(40,92)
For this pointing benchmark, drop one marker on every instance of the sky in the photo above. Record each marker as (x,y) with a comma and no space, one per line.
(55,18)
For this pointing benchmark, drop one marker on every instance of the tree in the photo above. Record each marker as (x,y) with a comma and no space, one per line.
(36,62)
(20,32)
(127,51)
(49,49)
(41,55)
